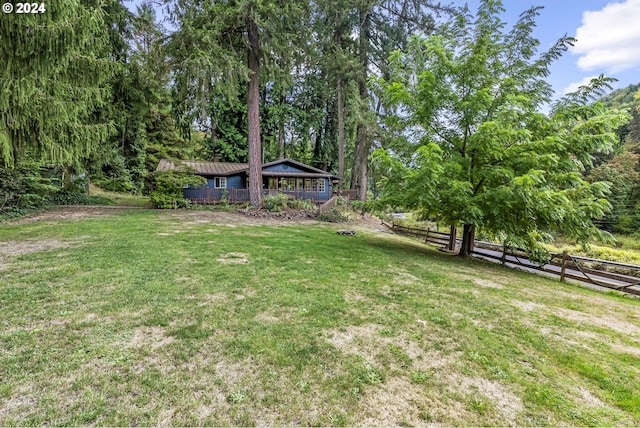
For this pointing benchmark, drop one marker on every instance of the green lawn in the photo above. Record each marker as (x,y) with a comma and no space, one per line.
(183,318)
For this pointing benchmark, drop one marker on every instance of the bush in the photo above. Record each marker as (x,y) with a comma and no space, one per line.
(75,197)
(168,188)
(363,207)
(168,201)
(300,204)
(275,203)
(22,189)
(333,216)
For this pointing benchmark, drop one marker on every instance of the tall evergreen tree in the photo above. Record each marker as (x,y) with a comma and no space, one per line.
(221,44)
(382,27)
(55,75)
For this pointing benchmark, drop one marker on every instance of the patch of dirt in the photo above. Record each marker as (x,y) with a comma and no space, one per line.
(486,283)
(11,249)
(504,401)
(606,321)
(396,402)
(233,258)
(527,306)
(585,396)
(366,342)
(479,281)
(24,400)
(209,299)
(150,336)
(71,212)
(402,277)
(185,218)
(19,248)
(632,350)
(275,315)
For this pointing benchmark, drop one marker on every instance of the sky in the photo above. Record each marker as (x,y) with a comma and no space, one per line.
(607,32)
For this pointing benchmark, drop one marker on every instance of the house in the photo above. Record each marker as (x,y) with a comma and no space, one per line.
(230,180)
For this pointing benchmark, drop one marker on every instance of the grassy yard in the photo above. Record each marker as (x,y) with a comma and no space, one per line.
(125,199)
(145,317)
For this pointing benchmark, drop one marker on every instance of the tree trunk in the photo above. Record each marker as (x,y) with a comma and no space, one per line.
(359,175)
(340,131)
(340,102)
(214,141)
(362,160)
(468,237)
(253,116)
(281,129)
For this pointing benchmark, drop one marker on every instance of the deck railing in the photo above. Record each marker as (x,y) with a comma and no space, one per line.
(208,195)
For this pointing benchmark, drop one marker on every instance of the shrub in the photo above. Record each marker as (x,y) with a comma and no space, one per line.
(23,188)
(168,188)
(357,206)
(300,204)
(333,216)
(167,201)
(275,203)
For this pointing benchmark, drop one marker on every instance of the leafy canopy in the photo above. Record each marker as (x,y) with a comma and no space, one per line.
(477,150)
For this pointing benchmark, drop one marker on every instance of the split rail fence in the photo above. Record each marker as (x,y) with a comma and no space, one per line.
(604,273)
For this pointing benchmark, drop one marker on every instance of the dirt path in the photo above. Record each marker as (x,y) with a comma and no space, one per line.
(232,218)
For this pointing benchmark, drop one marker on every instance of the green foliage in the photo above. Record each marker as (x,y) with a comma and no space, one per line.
(114,175)
(275,203)
(29,186)
(22,188)
(300,204)
(55,76)
(486,158)
(169,185)
(623,174)
(623,97)
(334,215)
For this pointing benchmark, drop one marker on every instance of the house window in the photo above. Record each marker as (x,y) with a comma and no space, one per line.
(220,182)
(299,184)
(321,186)
(291,185)
(310,184)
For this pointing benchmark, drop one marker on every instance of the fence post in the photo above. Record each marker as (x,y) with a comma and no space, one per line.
(452,238)
(564,265)
(472,244)
(504,254)
(426,238)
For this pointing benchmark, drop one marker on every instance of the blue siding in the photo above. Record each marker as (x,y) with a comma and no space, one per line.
(233,182)
(236,190)
(237,182)
(286,167)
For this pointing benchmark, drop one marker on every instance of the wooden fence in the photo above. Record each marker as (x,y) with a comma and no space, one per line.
(350,194)
(604,273)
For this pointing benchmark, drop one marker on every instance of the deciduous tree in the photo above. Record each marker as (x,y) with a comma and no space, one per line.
(484,156)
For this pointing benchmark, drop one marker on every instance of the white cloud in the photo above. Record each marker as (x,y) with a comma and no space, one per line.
(609,39)
(574,86)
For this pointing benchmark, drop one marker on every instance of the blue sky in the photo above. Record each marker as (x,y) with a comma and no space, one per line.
(608,33)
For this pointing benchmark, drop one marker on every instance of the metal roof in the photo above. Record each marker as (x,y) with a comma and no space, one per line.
(228,168)
(204,168)
(295,174)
